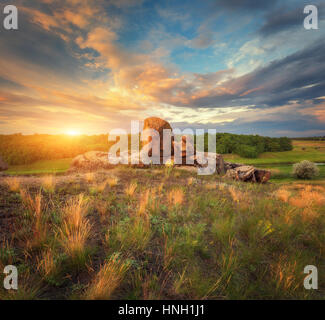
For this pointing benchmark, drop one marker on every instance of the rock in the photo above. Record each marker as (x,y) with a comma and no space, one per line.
(262,176)
(92,160)
(248,173)
(220,164)
(159,125)
(229,165)
(3,165)
(180,151)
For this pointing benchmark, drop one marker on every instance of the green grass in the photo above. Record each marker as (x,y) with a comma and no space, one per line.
(40,167)
(286,157)
(283,173)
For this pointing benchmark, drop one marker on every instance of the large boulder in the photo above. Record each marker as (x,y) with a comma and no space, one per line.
(3,165)
(90,161)
(159,125)
(180,147)
(248,174)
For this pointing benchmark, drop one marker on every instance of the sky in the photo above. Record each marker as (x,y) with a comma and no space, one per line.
(89,66)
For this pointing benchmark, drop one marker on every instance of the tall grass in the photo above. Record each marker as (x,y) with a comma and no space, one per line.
(131,188)
(13,184)
(75,230)
(36,212)
(49,183)
(169,238)
(108,279)
(176,197)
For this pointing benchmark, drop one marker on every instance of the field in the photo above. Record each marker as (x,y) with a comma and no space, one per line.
(280,163)
(162,233)
(302,150)
(41,167)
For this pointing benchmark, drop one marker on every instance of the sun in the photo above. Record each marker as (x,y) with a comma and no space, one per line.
(72,132)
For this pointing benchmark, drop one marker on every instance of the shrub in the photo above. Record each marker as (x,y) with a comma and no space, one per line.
(305,170)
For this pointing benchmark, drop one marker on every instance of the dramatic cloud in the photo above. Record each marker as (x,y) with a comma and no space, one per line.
(238,66)
(284,18)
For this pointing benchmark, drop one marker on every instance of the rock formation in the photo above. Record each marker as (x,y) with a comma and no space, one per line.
(159,125)
(95,160)
(89,161)
(248,173)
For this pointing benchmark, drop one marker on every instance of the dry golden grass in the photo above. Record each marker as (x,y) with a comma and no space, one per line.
(102,208)
(236,195)
(161,187)
(169,254)
(75,210)
(112,182)
(35,208)
(46,264)
(242,199)
(32,204)
(308,197)
(190,181)
(73,239)
(283,272)
(221,186)
(90,177)
(211,186)
(107,280)
(131,188)
(13,184)
(101,187)
(48,182)
(144,200)
(177,174)
(175,197)
(75,229)
(283,194)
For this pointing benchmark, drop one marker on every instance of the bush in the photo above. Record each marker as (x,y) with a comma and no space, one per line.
(305,170)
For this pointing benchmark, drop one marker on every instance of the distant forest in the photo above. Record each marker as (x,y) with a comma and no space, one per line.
(18,149)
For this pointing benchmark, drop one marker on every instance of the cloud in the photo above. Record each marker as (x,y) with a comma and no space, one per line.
(284,18)
(249,5)
(94,65)
(281,20)
(298,76)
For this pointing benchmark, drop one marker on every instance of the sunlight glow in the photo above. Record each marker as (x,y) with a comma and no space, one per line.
(72,132)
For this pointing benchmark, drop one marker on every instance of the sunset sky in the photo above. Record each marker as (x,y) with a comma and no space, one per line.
(240,66)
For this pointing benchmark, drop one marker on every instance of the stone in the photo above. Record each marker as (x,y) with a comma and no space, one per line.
(89,161)
(220,164)
(180,150)
(159,125)
(3,165)
(248,174)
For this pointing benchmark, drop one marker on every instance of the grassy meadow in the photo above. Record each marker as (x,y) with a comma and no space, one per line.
(280,163)
(163,233)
